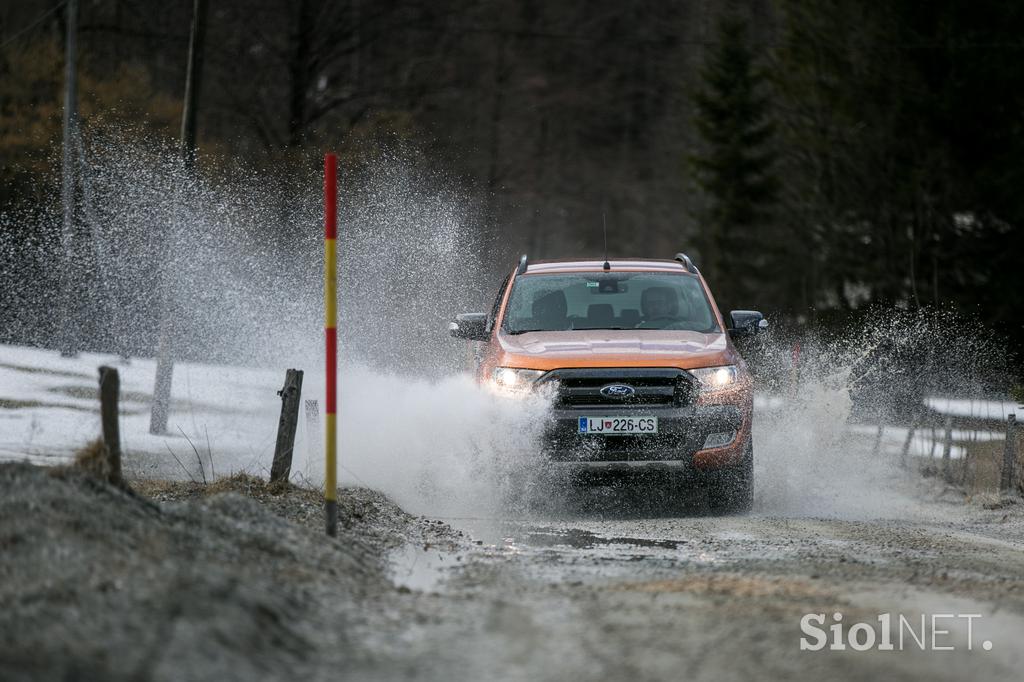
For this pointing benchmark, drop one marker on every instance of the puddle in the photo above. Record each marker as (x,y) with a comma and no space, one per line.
(416,568)
(577,538)
(600,552)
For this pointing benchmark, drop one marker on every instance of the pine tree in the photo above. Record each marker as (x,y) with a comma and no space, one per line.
(733,168)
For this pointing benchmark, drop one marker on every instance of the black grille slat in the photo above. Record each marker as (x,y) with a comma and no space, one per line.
(654,387)
(662,395)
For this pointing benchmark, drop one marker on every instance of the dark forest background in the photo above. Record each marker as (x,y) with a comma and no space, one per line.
(817,159)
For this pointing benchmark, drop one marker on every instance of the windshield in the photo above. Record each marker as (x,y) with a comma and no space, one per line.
(605,300)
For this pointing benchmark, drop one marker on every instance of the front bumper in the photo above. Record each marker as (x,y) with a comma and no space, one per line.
(677,447)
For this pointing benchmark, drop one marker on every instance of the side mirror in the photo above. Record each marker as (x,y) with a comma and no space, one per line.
(472,326)
(746,323)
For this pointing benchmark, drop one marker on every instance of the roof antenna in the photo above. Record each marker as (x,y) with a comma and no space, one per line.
(604,218)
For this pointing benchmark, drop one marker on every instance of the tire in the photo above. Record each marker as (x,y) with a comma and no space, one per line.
(733,491)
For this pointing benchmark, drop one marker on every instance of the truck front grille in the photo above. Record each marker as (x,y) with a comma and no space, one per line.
(653,387)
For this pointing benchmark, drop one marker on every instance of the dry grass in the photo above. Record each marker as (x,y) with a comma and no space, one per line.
(240,483)
(93,460)
(11,404)
(298,504)
(45,370)
(90,393)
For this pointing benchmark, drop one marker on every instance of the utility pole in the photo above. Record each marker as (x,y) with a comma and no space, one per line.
(68,335)
(187,148)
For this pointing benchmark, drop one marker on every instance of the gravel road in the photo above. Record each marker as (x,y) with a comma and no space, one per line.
(722,597)
(236,583)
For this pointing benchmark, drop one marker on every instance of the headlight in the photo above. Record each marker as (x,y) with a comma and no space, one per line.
(716,378)
(514,379)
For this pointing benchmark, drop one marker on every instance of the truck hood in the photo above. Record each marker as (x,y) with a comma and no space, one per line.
(614,348)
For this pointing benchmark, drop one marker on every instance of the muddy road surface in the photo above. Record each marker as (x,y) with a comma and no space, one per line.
(701,597)
(235,581)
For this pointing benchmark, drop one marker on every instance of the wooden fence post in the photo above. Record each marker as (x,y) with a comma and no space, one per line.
(281,469)
(110,387)
(907,441)
(1009,454)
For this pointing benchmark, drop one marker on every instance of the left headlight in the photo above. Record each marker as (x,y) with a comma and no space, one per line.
(716,378)
(514,379)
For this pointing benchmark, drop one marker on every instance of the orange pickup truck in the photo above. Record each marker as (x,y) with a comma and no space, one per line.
(641,365)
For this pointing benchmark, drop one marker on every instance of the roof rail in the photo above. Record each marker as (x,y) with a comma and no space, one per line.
(522,265)
(687,263)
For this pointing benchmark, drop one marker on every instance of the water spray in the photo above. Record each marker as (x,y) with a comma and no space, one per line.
(243,283)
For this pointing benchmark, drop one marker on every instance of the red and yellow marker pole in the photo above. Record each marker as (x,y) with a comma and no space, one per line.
(331,338)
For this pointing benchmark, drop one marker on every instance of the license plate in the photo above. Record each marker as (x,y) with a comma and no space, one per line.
(614,426)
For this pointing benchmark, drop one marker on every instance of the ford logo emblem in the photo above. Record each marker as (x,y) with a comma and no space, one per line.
(618,391)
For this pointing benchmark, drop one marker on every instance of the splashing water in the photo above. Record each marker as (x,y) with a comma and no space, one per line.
(832,438)
(446,447)
(237,261)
